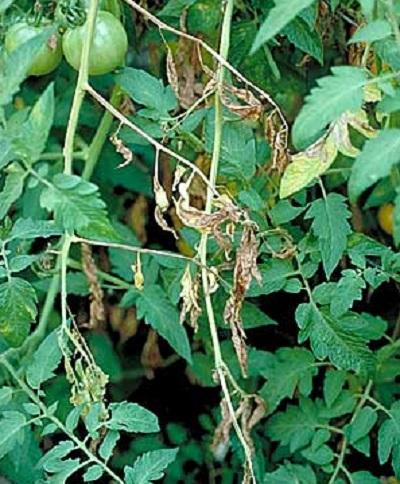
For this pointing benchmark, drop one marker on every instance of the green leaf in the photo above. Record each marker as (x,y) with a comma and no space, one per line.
(109,442)
(77,205)
(333,96)
(45,360)
(375,30)
(26,228)
(14,67)
(333,385)
(174,8)
(389,438)
(6,153)
(93,473)
(366,171)
(329,338)
(275,274)
(296,426)
(163,318)
(12,190)
(348,289)
(361,426)
(17,310)
(277,19)
(4,4)
(32,137)
(12,425)
(291,369)
(305,38)
(150,466)
(291,473)
(131,417)
(147,90)
(330,226)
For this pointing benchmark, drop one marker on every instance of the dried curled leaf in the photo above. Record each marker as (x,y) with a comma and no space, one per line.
(249,108)
(121,149)
(97,311)
(162,203)
(204,222)
(244,272)
(277,135)
(190,298)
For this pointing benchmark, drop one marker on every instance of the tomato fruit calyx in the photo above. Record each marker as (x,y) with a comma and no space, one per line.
(108,49)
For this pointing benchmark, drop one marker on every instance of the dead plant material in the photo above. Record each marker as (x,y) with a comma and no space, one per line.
(124,322)
(162,202)
(97,311)
(250,107)
(184,73)
(151,358)
(122,150)
(137,218)
(244,272)
(277,136)
(220,443)
(204,222)
(190,298)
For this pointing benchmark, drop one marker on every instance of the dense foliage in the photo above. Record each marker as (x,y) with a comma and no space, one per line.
(199,222)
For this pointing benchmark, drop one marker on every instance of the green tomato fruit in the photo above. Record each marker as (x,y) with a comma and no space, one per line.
(49,56)
(109,46)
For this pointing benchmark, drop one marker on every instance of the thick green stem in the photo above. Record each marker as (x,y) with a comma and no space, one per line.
(79,94)
(100,137)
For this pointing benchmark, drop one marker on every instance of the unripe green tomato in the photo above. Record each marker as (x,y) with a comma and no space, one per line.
(108,49)
(49,56)
(111,6)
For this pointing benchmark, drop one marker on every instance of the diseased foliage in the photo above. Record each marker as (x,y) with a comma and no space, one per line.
(199,267)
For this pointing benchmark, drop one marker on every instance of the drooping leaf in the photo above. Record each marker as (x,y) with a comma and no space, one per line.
(45,360)
(77,205)
(366,171)
(334,95)
(164,319)
(150,466)
(131,417)
(330,338)
(331,227)
(279,16)
(17,310)
(32,136)
(108,445)
(360,428)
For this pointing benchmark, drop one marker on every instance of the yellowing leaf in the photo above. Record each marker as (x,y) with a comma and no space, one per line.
(308,165)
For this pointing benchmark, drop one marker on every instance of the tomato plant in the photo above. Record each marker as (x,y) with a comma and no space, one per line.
(199,241)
